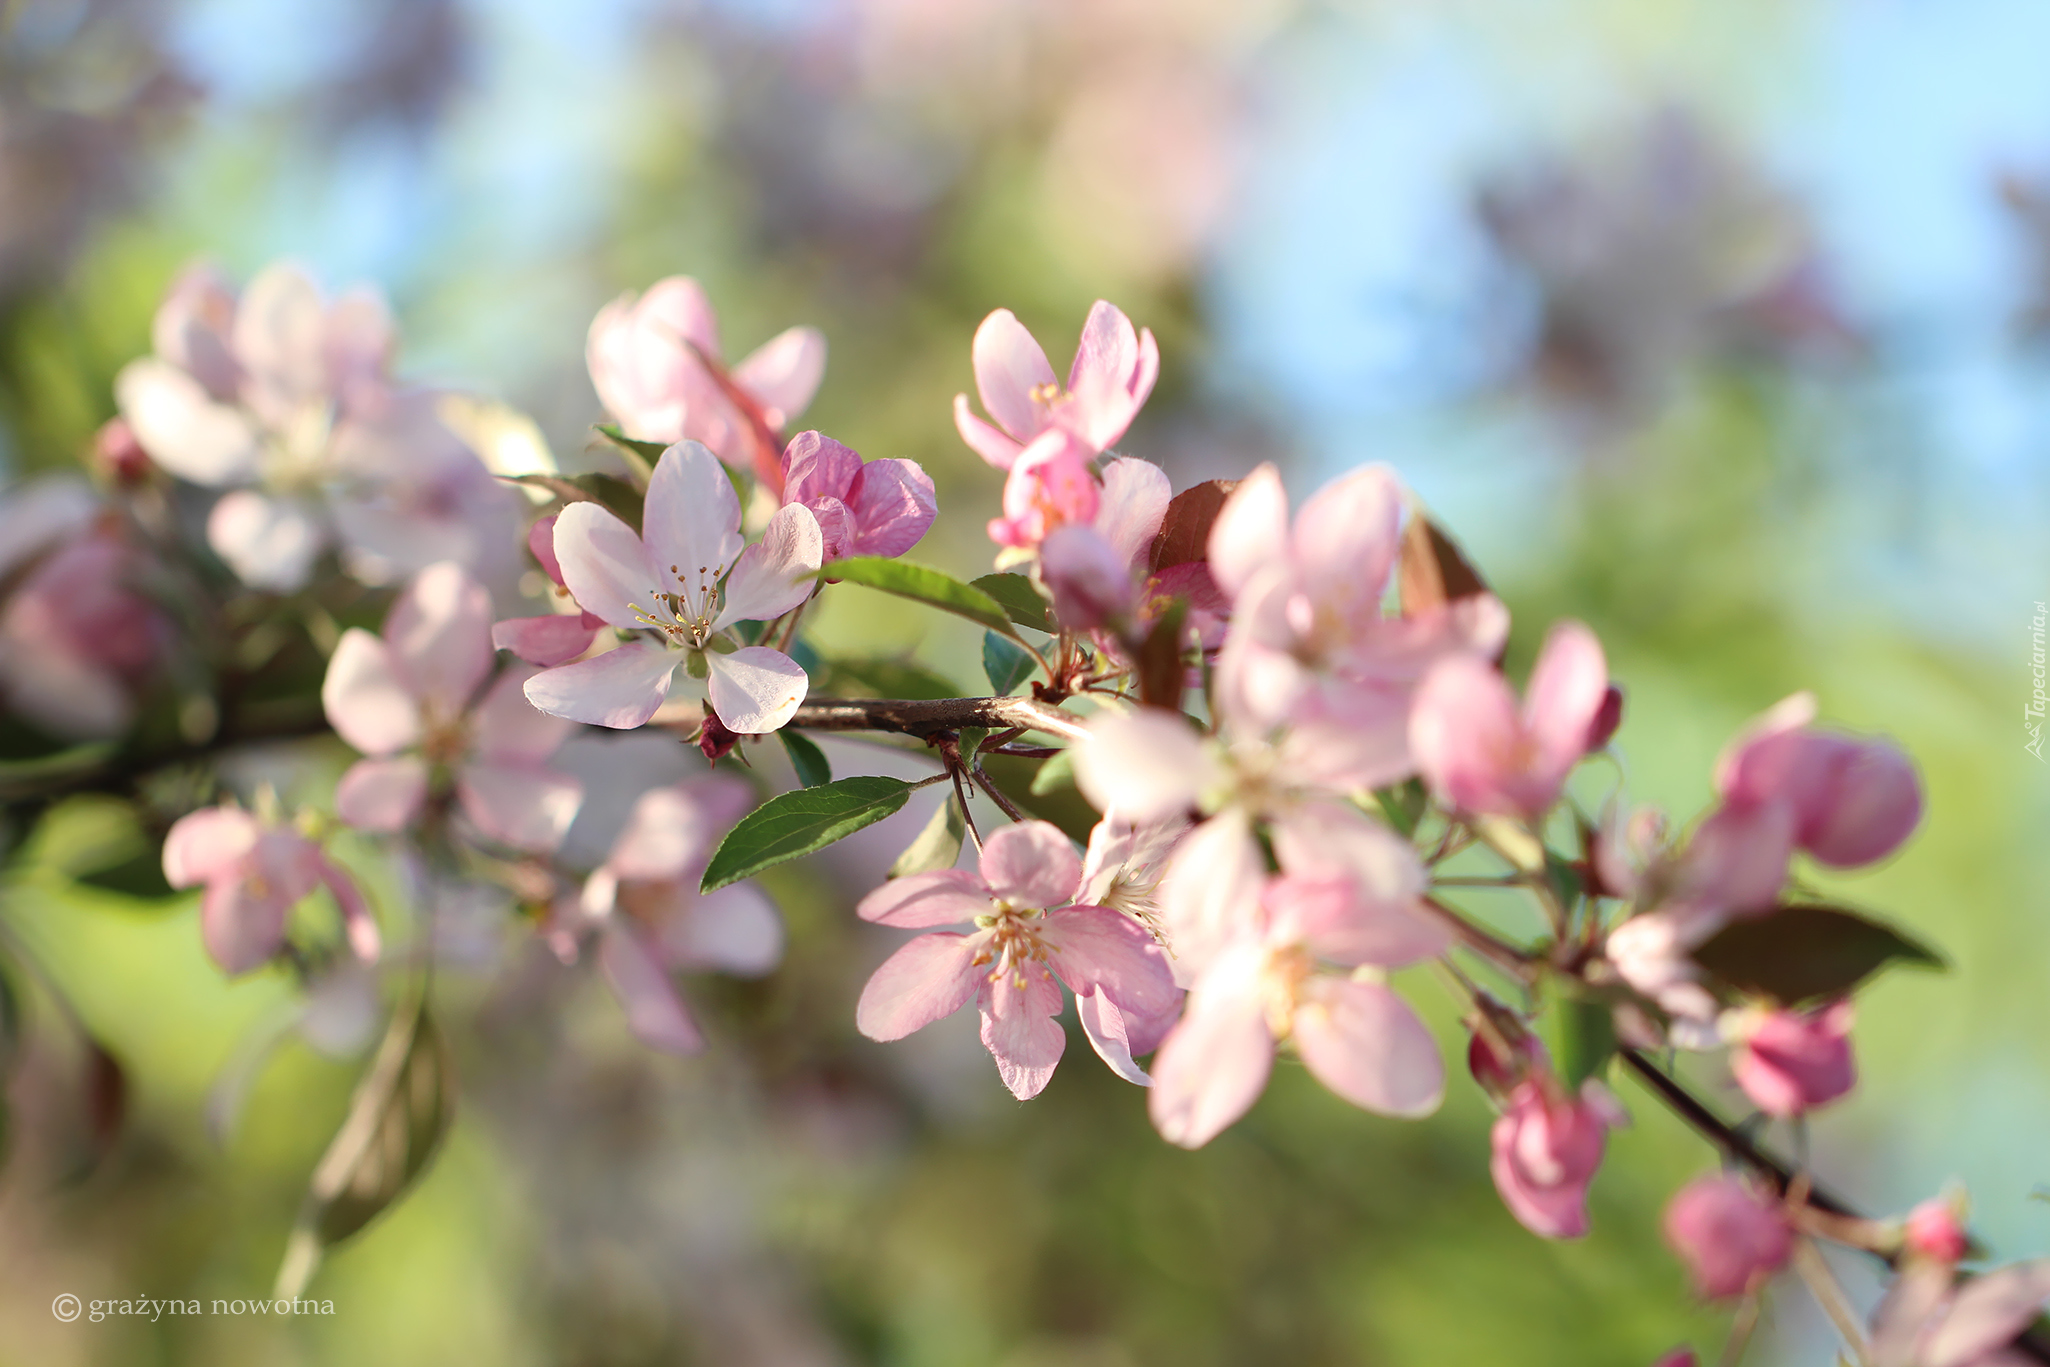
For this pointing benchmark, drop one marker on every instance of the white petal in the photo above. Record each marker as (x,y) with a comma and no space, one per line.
(756,689)
(621,688)
(181,426)
(366,702)
(691,519)
(603,564)
(1147,764)
(774,575)
(270,543)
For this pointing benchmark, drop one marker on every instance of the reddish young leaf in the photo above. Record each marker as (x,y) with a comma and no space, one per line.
(1433,571)
(1184,536)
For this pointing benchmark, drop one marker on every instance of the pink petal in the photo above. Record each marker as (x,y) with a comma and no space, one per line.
(270,543)
(508,728)
(1363,1042)
(1752,767)
(783,373)
(621,688)
(1874,804)
(357,923)
(1210,895)
(735,930)
(1104,1024)
(1009,365)
(1989,1312)
(1031,864)
(1251,530)
(1345,542)
(181,426)
(627,364)
(816,466)
(1108,353)
(691,519)
(1737,860)
(365,699)
(986,441)
(672,831)
(1090,580)
(773,576)
(931,977)
(524,805)
(547,641)
(191,327)
(241,929)
(1147,764)
(942,898)
(654,1012)
(1567,688)
(1020,1029)
(893,504)
(1377,919)
(205,845)
(1050,484)
(1101,951)
(439,632)
(604,565)
(756,689)
(541,542)
(1133,504)
(279,339)
(677,307)
(382,795)
(1466,736)
(1213,1066)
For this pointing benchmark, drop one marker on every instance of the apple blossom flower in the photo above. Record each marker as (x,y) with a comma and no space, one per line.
(1929,1318)
(1728,1234)
(1112,375)
(1852,801)
(656,364)
(1480,754)
(1096,569)
(1789,1062)
(1029,934)
(651,919)
(78,643)
(1653,952)
(553,638)
(1545,1148)
(415,701)
(1121,871)
(255,872)
(682,584)
(877,507)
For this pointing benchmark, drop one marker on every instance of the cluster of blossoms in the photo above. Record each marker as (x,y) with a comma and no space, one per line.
(1294,727)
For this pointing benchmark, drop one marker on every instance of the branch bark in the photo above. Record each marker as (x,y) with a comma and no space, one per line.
(928,717)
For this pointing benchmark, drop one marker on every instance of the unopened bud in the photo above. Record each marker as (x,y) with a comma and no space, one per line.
(118,454)
(1934,1231)
(1728,1235)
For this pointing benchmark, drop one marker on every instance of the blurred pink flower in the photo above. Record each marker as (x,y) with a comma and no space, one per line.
(693,546)
(1095,568)
(877,507)
(255,873)
(644,899)
(1929,1319)
(410,701)
(1050,485)
(1113,372)
(1933,1230)
(1789,1062)
(1728,1234)
(78,643)
(1479,753)
(656,364)
(1545,1150)
(1851,801)
(1030,933)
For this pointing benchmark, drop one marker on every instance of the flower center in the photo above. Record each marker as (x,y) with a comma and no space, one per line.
(1014,941)
(684,613)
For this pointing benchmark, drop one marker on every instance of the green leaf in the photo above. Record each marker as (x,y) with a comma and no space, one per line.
(1583,1039)
(806,758)
(921,584)
(607,491)
(1803,953)
(1404,805)
(640,455)
(1054,774)
(791,825)
(26,775)
(397,1118)
(888,679)
(1005,662)
(1020,600)
(938,846)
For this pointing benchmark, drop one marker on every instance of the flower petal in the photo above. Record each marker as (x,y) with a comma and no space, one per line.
(270,543)
(181,426)
(621,688)
(525,805)
(1365,1043)
(1009,366)
(1989,1312)
(783,373)
(1344,544)
(1031,864)
(205,845)
(382,795)
(1148,764)
(816,466)
(1464,731)
(943,897)
(1213,1065)
(932,977)
(672,831)
(995,447)
(735,930)
(691,520)
(439,631)
(604,565)
(1021,1030)
(547,641)
(654,1012)
(1251,530)
(366,702)
(508,728)
(1104,1024)
(1377,919)
(1102,951)
(1132,506)
(1566,689)
(893,505)
(1210,895)
(773,576)
(756,689)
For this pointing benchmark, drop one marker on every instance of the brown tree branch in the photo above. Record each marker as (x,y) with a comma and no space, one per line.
(927,717)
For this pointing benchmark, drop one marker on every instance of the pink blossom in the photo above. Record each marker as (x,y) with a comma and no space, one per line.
(1929,1319)
(1933,1230)
(78,643)
(1095,569)
(554,638)
(1679,1357)
(1852,801)
(1545,1150)
(1030,934)
(255,873)
(1121,871)
(878,507)
(1653,952)
(652,920)
(1051,485)
(681,585)
(1728,1235)
(1789,1062)
(415,701)
(1480,753)
(656,364)
(1113,372)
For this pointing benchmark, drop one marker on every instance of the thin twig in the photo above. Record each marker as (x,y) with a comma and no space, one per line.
(997,796)
(1829,1294)
(928,717)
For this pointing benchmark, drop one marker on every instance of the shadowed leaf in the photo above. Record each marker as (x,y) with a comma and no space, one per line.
(1005,662)
(1020,601)
(1185,531)
(1804,953)
(938,846)
(806,758)
(921,584)
(791,825)
(1433,571)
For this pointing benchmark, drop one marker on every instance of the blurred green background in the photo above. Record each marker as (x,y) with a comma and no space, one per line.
(1712,324)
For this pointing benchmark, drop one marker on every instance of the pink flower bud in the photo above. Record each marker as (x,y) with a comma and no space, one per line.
(1545,1152)
(1852,801)
(1606,719)
(1791,1061)
(1933,1231)
(117,453)
(1727,1234)
(1091,583)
